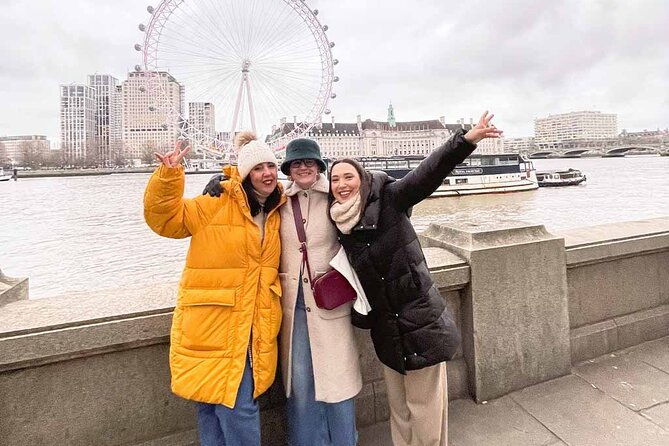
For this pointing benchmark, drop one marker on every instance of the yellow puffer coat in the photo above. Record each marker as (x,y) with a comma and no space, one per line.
(229,288)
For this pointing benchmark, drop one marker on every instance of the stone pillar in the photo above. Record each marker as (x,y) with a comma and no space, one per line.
(515,316)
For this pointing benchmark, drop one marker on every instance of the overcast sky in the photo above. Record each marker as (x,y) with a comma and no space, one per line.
(521,59)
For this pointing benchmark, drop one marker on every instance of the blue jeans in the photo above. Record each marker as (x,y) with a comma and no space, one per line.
(221,426)
(311,422)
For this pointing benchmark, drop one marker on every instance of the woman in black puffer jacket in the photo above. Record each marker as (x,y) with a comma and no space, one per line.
(412,331)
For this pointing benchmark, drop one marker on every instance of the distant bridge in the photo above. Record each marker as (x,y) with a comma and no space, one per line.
(607,151)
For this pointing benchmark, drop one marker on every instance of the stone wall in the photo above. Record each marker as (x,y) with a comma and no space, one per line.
(81,370)
(618,276)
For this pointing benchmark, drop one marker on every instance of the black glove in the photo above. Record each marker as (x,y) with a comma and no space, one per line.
(213,187)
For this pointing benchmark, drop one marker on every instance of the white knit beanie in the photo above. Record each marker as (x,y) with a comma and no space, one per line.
(251,152)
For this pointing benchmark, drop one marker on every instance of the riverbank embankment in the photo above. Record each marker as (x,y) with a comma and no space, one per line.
(43,173)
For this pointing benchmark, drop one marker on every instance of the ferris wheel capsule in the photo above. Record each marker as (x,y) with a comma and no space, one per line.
(335,61)
(332,44)
(327,111)
(315,11)
(138,47)
(333,95)
(138,68)
(150,9)
(152,108)
(325,27)
(335,79)
(142,89)
(141,27)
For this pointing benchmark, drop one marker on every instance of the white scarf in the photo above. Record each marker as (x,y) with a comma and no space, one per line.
(346,214)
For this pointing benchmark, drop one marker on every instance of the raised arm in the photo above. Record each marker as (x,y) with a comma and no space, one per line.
(165,210)
(422,181)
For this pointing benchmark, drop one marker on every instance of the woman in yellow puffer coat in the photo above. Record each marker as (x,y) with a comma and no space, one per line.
(223,351)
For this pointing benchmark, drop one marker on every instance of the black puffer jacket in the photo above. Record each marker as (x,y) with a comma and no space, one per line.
(410,325)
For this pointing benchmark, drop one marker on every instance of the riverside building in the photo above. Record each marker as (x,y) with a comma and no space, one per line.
(202,125)
(77,123)
(148,127)
(574,130)
(107,117)
(519,145)
(14,148)
(371,138)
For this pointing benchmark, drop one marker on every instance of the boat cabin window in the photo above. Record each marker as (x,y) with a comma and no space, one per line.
(447,182)
(508,160)
(461,181)
(496,160)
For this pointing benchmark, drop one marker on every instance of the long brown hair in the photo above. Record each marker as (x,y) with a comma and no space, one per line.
(365,180)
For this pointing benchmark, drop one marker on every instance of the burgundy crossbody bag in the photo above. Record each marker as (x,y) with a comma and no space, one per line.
(330,289)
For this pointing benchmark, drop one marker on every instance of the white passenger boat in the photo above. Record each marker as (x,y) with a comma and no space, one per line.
(478,174)
(4,176)
(553,178)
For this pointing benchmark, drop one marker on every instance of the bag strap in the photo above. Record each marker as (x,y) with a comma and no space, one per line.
(299,226)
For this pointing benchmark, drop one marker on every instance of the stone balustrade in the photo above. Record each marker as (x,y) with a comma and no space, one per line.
(92,368)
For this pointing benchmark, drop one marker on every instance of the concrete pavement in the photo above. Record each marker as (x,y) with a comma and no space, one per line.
(617,399)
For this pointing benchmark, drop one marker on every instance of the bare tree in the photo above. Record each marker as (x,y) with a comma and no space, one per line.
(54,158)
(147,152)
(32,155)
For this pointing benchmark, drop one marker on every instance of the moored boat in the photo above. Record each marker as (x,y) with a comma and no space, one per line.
(4,176)
(478,174)
(554,178)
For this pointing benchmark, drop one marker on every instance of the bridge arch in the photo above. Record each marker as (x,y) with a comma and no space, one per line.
(542,154)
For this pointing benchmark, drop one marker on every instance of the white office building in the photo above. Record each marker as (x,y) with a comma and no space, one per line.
(13,148)
(519,145)
(107,117)
(148,125)
(77,123)
(569,130)
(202,125)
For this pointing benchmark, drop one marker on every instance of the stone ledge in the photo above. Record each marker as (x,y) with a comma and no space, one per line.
(449,271)
(63,344)
(594,340)
(643,326)
(12,289)
(40,315)
(603,243)
(42,331)
(463,238)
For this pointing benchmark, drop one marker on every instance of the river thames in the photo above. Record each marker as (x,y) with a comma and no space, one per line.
(82,234)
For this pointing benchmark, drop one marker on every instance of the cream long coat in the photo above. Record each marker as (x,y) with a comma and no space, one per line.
(334,352)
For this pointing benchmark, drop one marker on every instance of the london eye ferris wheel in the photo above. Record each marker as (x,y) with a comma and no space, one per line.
(264,65)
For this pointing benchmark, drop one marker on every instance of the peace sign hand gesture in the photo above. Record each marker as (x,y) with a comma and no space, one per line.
(173,159)
(484,129)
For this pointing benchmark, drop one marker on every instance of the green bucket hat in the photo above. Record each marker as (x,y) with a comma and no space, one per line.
(301,149)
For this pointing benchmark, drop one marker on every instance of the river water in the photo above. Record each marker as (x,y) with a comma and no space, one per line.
(82,234)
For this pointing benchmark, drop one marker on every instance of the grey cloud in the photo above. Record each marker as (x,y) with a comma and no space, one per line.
(521,58)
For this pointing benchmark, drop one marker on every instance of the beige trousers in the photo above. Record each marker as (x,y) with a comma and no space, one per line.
(418,406)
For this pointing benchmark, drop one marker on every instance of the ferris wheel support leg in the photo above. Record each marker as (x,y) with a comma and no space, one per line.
(251,111)
(237,105)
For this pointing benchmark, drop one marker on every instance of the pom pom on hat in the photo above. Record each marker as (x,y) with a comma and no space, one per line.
(251,152)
